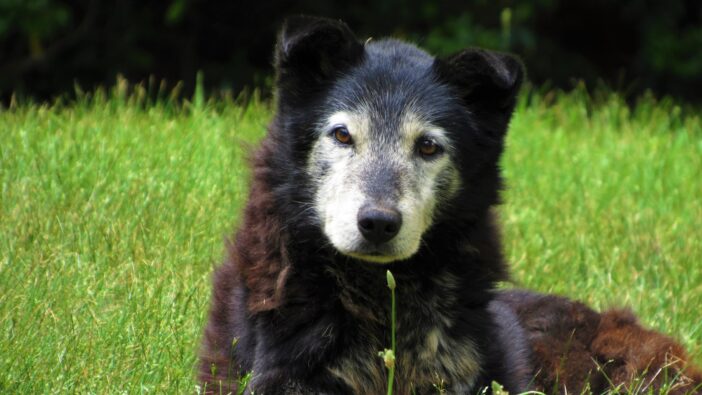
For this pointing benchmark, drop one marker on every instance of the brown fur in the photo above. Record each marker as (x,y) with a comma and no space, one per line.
(256,258)
(576,348)
(634,350)
(259,252)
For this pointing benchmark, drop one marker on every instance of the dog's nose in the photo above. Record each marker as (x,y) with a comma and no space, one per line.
(377,224)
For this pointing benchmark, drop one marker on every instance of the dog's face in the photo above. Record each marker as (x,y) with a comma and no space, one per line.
(385,128)
(379,180)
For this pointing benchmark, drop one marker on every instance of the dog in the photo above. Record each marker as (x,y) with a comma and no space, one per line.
(379,157)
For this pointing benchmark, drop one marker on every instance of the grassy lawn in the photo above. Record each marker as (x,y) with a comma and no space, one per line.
(113,214)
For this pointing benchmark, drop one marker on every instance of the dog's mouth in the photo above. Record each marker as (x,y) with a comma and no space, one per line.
(374,257)
(374,254)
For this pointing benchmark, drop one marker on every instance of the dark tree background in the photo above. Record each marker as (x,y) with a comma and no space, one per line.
(49,46)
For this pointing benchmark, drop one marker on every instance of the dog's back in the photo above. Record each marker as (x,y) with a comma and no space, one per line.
(575,348)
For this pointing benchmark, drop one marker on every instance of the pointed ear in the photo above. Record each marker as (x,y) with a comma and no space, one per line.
(311,52)
(485,80)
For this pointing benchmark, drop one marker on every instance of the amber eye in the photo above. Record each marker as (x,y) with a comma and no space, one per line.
(427,147)
(342,135)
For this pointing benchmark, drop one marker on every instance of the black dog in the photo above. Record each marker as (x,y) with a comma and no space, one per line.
(379,157)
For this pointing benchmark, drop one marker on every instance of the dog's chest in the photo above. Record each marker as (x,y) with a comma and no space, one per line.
(427,361)
(428,358)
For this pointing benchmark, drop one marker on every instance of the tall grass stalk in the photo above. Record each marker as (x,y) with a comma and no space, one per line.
(389,355)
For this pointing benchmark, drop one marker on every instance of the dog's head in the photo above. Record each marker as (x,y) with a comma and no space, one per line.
(393,139)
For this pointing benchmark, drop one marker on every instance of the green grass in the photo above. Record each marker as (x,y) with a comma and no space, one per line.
(113,212)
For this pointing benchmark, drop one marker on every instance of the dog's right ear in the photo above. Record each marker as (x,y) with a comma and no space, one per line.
(311,52)
(485,80)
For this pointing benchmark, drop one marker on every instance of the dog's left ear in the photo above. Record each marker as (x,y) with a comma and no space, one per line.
(486,80)
(311,52)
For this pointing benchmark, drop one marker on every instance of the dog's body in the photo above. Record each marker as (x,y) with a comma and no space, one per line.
(379,157)
(573,348)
